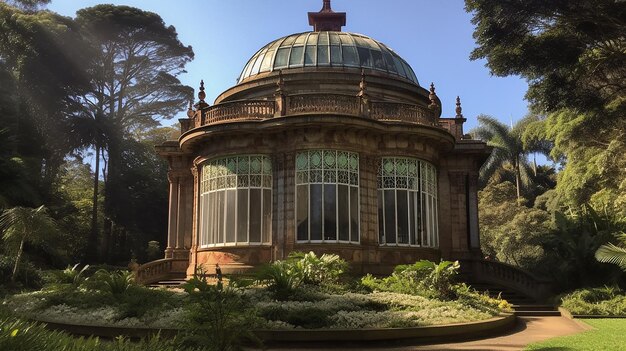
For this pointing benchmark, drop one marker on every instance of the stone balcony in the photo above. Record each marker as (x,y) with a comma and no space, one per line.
(311,103)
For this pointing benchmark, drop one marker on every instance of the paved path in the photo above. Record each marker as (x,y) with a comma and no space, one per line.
(527,330)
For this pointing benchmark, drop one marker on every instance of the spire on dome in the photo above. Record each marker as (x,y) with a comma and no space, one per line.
(327,19)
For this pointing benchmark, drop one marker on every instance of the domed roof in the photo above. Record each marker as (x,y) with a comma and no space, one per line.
(327,49)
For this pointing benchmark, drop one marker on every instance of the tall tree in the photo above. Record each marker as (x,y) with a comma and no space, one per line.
(509,152)
(573,54)
(134,84)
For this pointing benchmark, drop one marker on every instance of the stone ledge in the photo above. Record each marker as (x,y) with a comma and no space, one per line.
(459,331)
(566,313)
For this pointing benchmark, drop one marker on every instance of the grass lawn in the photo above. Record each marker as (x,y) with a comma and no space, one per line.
(609,334)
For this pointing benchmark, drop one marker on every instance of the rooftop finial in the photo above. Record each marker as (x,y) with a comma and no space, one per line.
(190,112)
(326,6)
(201,94)
(432,97)
(458,108)
(327,19)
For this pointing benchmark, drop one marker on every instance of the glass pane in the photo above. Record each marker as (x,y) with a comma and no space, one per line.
(242,215)
(267,61)
(288,41)
(309,55)
(377,56)
(315,205)
(354,214)
(230,216)
(203,220)
(424,220)
(330,212)
(343,208)
(389,62)
(281,57)
(302,212)
(210,223)
(349,56)
(399,67)
(322,55)
(407,71)
(312,40)
(335,54)
(365,59)
(296,56)
(390,216)
(257,65)
(267,215)
(403,216)
(360,41)
(220,217)
(323,40)
(345,39)
(412,228)
(334,39)
(418,218)
(255,215)
(381,218)
(300,40)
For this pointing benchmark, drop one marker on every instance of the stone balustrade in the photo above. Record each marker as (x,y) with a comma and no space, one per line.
(167,268)
(394,111)
(509,276)
(314,103)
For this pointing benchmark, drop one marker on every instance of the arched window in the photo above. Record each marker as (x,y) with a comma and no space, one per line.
(407,203)
(327,196)
(236,201)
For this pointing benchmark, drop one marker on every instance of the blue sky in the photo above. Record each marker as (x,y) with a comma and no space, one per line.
(434,37)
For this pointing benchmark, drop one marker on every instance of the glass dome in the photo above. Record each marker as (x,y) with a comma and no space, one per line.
(327,49)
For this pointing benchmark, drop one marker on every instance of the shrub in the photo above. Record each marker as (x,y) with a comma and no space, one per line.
(116,283)
(604,301)
(18,335)
(421,278)
(218,317)
(27,275)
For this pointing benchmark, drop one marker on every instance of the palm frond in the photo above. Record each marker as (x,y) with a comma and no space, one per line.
(610,253)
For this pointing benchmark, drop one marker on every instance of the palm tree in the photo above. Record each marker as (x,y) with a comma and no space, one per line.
(509,153)
(25,224)
(611,253)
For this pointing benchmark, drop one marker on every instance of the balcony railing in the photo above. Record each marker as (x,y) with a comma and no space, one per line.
(393,111)
(316,103)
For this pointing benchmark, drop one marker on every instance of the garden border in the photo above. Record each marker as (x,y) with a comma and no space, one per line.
(470,330)
(565,312)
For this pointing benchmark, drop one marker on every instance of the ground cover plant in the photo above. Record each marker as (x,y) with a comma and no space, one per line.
(304,291)
(603,301)
(608,334)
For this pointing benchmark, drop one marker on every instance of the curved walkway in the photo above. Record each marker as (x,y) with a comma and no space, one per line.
(527,330)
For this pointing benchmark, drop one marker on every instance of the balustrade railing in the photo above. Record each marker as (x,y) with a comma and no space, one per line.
(323,103)
(509,276)
(239,111)
(167,268)
(314,103)
(394,111)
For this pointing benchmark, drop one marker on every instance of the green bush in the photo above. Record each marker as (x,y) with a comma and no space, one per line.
(19,335)
(424,278)
(27,275)
(604,301)
(285,277)
(221,318)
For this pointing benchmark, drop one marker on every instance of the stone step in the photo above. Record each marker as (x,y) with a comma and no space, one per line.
(537,313)
(534,307)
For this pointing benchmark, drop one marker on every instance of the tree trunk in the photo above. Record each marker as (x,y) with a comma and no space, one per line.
(517,177)
(92,245)
(17,259)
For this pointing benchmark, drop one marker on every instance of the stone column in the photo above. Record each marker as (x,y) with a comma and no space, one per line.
(473,212)
(173,215)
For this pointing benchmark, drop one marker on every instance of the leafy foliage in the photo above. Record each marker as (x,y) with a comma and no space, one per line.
(603,301)
(220,319)
(611,253)
(424,278)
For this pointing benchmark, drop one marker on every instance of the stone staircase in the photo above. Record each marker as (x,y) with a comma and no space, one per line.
(523,305)
(168,284)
